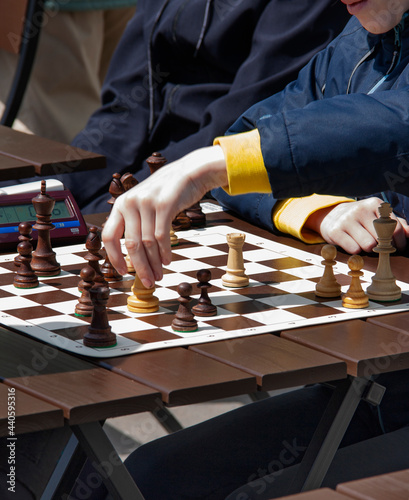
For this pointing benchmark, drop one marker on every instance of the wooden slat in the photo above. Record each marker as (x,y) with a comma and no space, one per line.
(31,414)
(84,391)
(366,348)
(322,494)
(275,362)
(183,377)
(12,14)
(392,486)
(11,169)
(397,322)
(48,157)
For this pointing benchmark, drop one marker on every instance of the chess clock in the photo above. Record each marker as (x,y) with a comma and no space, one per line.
(69,225)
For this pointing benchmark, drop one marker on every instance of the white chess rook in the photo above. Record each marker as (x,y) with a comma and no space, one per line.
(235,276)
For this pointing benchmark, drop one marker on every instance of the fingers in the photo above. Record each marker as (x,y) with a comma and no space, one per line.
(400,234)
(111,235)
(353,240)
(147,236)
(155,239)
(350,226)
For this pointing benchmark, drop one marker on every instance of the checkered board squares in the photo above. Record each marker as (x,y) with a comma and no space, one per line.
(280,296)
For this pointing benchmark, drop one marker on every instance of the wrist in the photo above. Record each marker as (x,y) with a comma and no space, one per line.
(208,167)
(314,221)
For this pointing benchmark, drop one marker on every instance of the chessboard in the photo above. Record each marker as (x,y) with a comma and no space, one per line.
(280,296)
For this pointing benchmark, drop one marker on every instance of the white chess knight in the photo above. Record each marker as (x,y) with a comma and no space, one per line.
(384,287)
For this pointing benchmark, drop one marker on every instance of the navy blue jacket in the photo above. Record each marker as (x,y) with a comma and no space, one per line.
(341,128)
(185,70)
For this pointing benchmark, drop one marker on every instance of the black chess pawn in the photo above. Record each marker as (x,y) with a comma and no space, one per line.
(25,277)
(115,189)
(196,215)
(99,332)
(93,256)
(44,262)
(128,181)
(85,306)
(184,320)
(155,162)
(204,306)
(181,221)
(25,229)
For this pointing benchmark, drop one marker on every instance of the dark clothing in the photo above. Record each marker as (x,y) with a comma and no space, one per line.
(210,460)
(185,70)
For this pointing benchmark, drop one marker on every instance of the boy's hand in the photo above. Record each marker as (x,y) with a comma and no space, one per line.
(350,225)
(144,213)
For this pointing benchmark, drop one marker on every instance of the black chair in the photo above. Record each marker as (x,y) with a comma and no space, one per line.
(20,30)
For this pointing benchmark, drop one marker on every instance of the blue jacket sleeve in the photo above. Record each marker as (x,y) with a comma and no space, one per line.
(333,143)
(253,207)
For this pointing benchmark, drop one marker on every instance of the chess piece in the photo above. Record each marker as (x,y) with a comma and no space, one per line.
(93,256)
(142,299)
(383,287)
(25,277)
(44,262)
(129,265)
(204,306)
(85,306)
(328,286)
(235,276)
(128,181)
(355,297)
(196,215)
(115,189)
(174,240)
(181,221)
(155,162)
(184,320)
(99,332)
(25,229)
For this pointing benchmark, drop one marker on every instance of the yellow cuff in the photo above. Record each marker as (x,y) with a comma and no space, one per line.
(290,215)
(245,165)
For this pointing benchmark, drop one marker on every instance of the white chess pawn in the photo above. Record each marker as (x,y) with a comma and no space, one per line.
(328,286)
(355,298)
(142,299)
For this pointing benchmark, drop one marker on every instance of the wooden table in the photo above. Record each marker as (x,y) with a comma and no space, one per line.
(85,392)
(24,155)
(392,486)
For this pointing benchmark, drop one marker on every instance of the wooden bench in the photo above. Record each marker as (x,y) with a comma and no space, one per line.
(392,486)
(21,413)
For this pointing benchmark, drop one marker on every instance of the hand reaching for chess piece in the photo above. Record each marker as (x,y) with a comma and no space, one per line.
(145,212)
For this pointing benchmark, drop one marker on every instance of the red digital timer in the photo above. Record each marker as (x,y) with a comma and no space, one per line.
(69,225)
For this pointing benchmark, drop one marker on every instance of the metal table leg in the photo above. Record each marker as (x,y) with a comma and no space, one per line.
(105,459)
(329,433)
